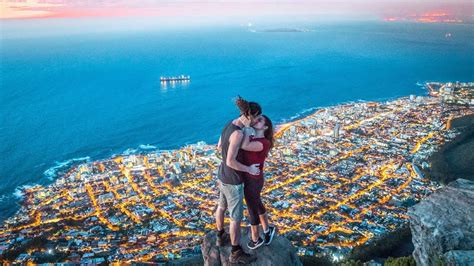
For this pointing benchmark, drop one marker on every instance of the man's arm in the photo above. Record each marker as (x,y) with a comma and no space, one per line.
(234,145)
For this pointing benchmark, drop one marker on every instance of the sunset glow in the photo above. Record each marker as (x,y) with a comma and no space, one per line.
(26,9)
(388,10)
(428,17)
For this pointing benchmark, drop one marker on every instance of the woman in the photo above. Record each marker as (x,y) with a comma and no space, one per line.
(255,151)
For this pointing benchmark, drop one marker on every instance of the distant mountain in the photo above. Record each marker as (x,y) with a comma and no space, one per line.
(285,30)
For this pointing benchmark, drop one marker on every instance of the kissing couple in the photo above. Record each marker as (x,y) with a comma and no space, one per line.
(244,145)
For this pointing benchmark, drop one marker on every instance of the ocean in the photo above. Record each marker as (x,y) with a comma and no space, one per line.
(69,97)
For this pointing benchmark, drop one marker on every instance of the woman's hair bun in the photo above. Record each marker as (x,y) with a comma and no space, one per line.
(243,105)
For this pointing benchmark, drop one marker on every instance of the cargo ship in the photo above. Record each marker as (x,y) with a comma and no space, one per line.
(175,78)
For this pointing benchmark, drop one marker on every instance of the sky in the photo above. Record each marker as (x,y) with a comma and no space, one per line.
(389,10)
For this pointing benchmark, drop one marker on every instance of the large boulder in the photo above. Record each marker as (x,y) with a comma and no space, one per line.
(279,252)
(442,226)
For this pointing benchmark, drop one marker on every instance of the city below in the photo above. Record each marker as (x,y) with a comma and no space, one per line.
(334,180)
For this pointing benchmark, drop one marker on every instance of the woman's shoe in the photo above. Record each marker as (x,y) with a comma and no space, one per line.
(269,235)
(254,245)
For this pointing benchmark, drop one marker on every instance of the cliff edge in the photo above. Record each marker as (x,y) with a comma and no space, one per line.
(442,226)
(279,252)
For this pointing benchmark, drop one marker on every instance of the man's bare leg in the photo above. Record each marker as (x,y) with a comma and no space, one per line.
(235,233)
(219,214)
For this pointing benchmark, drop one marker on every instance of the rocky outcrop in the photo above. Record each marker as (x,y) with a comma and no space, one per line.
(442,226)
(279,252)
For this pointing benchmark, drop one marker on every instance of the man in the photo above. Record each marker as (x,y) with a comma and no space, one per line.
(230,181)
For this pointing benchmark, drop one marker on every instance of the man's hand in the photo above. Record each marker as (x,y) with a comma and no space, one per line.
(254,169)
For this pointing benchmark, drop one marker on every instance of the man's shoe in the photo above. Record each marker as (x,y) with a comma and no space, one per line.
(241,257)
(254,245)
(269,235)
(222,240)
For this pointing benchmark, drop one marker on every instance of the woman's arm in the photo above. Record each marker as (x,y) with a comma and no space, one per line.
(250,145)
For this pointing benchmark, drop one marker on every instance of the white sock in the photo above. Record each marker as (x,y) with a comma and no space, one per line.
(268,230)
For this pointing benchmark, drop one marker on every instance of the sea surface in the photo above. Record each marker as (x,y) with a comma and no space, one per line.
(68,95)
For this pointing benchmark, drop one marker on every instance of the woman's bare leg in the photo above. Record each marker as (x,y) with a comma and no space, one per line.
(254,230)
(264,221)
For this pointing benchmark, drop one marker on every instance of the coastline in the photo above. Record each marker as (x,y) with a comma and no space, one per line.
(66,165)
(52,173)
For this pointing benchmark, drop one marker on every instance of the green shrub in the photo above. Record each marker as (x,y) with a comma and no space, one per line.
(402,261)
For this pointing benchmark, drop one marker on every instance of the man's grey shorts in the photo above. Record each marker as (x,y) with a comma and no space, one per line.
(231,197)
